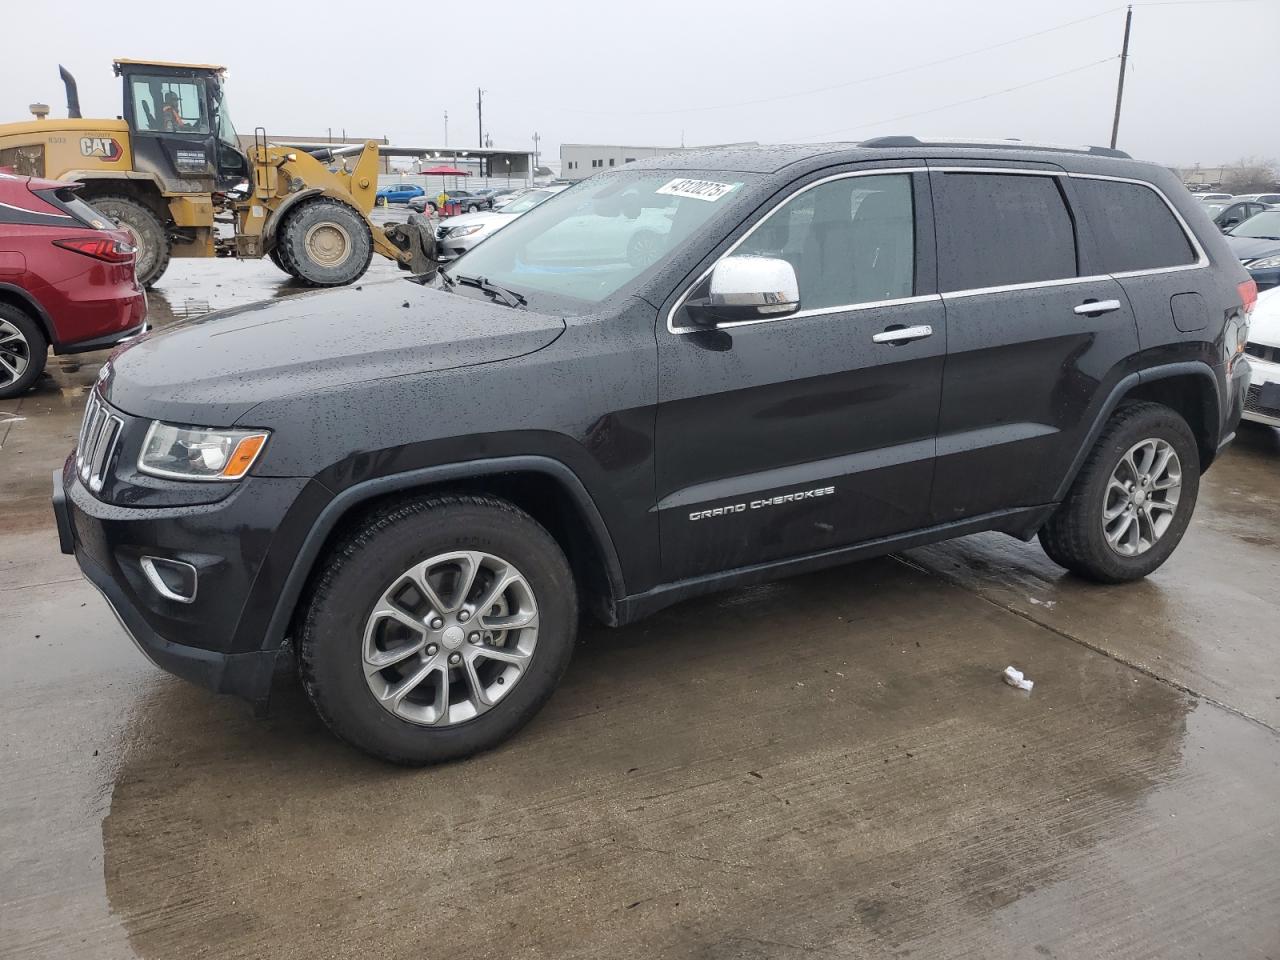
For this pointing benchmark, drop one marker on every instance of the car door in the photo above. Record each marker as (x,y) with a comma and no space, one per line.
(1033,344)
(814,431)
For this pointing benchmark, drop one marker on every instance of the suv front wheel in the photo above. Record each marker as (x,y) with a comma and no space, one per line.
(1133,499)
(438,628)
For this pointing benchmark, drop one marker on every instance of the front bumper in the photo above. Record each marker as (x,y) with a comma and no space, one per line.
(1262,402)
(242,549)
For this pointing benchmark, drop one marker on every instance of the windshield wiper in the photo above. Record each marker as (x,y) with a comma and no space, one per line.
(446,278)
(509,297)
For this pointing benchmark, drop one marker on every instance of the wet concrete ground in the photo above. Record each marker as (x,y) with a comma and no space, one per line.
(827,766)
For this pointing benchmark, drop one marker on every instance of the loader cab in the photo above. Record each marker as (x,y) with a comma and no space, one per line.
(180,125)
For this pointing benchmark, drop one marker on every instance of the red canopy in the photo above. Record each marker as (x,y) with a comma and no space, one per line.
(445,171)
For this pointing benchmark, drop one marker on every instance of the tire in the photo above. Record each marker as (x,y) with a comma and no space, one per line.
(147,231)
(380,201)
(472,208)
(1076,535)
(23,351)
(326,242)
(644,248)
(276,256)
(370,562)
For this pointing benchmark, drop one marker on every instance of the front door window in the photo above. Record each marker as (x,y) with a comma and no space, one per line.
(169,105)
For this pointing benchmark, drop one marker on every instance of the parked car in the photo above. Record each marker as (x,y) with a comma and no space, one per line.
(501,201)
(1256,243)
(1229,213)
(1262,403)
(66,279)
(468,202)
(1267,198)
(1211,197)
(397,193)
(424,501)
(457,235)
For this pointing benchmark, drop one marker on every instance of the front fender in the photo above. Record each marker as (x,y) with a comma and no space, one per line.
(352,497)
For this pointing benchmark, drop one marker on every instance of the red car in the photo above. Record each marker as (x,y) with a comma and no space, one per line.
(66,279)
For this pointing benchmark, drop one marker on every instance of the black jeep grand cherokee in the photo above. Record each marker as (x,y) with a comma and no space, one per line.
(693,373)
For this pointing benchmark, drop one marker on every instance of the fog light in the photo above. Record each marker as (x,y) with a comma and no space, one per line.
(172,579)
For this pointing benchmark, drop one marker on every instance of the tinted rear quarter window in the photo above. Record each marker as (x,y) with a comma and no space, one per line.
(996,230)
(1132,227)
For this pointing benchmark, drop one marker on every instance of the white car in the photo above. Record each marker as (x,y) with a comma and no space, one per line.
(1263,401)
(457,235)
(1212,196)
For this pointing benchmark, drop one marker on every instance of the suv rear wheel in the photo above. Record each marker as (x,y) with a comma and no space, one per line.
(438,628)
(23,351)
(1133,499)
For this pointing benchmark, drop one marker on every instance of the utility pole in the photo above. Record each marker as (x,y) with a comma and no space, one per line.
(480,116)
(534,172)
(1124,59)
(446,128)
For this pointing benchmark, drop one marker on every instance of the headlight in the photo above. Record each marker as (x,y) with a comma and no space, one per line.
(199,453)
(465,231)
(1271,261)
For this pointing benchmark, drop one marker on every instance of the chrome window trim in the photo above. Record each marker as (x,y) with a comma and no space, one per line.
(799,314)
(1202,259)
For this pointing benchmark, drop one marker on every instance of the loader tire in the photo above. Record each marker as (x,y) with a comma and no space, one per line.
(276,256)
(326,242)
(146,231)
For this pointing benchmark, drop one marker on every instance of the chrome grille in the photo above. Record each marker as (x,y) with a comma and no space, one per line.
(99,436)
(442,232)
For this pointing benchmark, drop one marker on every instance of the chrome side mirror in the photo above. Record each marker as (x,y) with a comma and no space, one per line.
(745,288)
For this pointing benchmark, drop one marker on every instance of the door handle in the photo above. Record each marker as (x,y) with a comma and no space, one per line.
(1092,308)
(903,334)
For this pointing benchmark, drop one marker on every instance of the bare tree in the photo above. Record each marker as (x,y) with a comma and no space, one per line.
(1251,175)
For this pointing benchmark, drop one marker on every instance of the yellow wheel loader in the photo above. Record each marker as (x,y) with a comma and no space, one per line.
(172,172)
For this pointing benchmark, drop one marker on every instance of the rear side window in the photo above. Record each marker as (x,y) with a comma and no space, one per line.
(998,229)
(1132,227)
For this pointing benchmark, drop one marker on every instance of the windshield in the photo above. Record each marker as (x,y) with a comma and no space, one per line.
(1265,226)
(589,241)
(226,129)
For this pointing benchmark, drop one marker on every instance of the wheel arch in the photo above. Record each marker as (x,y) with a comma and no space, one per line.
(1190,388)
(20,298)
(546,489)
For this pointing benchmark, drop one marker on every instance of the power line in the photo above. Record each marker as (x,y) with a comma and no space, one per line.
(960,103)
(879,76)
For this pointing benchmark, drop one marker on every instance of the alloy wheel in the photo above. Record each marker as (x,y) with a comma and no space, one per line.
(449,638)
(1141,497)
(15,353)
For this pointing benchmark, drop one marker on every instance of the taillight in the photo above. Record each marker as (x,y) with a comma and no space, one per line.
(1248,291)
(100,248)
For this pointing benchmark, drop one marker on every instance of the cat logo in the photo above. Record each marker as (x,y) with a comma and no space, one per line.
(108,148)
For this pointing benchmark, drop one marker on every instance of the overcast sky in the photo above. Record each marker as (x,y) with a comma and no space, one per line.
(1201,86)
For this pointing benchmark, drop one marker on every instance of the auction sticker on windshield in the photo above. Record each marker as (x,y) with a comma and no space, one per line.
(696,189)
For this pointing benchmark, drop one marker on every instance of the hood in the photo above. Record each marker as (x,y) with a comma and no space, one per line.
(213,370)
(1264,321)
(1251,248)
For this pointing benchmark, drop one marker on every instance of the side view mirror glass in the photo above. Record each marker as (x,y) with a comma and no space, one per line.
(745,288)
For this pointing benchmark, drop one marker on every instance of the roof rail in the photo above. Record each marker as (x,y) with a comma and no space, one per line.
(1007,144)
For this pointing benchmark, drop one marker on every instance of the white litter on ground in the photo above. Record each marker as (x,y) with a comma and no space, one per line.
(1014,678)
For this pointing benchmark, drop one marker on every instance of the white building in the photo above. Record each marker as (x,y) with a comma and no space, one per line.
(580,160)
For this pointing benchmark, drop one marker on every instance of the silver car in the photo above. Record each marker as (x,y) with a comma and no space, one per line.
(457,235)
